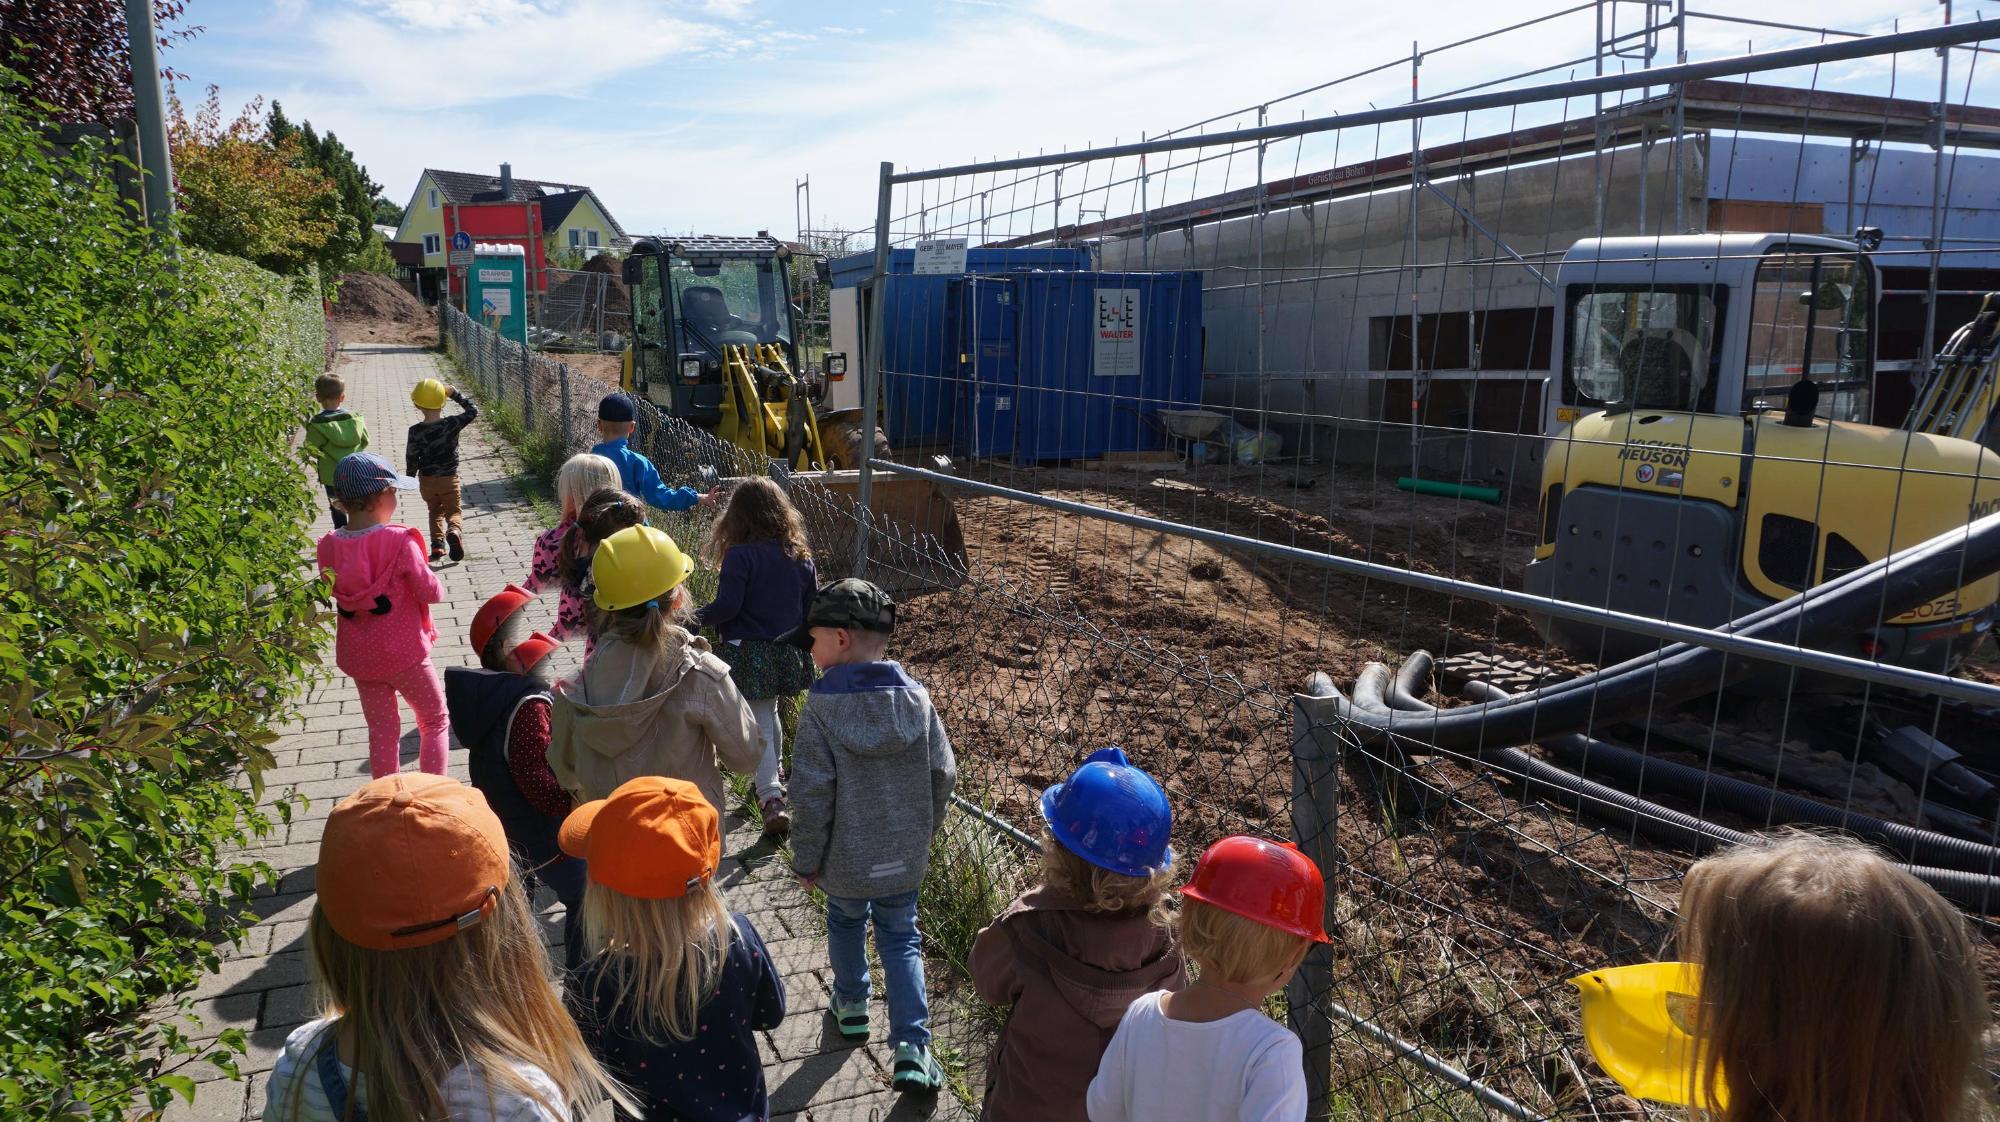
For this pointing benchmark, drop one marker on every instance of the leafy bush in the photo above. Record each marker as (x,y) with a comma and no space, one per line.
(154,610)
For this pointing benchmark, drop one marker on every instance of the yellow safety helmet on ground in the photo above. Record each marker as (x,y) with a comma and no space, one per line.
(635,565)
(429,394)
(1639,1022)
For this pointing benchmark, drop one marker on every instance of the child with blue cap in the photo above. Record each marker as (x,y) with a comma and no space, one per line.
(1074,951)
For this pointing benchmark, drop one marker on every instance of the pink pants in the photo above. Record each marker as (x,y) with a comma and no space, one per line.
(419,687)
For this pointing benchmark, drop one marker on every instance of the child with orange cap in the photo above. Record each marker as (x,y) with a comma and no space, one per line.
(1208,1053)
(500,711)
(436,996)
(676,985)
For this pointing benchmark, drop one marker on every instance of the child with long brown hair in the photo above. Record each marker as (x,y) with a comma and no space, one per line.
(676,986)
(765,584)
(1833,987)
(1073,952)
(435,988)
(651,699)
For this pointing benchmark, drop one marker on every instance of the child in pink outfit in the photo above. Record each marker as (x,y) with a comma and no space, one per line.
(383,588)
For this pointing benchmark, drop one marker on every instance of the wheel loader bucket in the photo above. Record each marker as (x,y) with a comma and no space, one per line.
(917,542)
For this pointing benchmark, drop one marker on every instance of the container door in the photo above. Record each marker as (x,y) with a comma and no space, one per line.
(988,365)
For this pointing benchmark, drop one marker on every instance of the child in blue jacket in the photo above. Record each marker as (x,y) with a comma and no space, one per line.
(617,419)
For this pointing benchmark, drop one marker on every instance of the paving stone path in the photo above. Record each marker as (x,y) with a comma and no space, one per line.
(264,987)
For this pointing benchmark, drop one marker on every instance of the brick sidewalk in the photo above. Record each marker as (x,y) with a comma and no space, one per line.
(264,988)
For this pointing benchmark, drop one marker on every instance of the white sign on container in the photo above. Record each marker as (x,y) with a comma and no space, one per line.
(495,276)
(497,302)
(944,257)
(1115,352)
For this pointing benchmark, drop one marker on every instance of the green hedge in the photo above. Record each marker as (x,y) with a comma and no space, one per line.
(154,609)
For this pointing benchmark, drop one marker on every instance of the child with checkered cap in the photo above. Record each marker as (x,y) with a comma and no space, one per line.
(866,840)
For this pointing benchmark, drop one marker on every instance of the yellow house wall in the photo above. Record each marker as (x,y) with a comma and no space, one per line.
(586,217)
(419,219)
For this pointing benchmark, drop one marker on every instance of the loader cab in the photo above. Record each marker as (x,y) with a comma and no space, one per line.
(1713,323)
(693,296)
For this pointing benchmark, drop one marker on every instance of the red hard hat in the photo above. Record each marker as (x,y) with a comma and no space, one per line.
(493,613)
(534,649)
(1266,881)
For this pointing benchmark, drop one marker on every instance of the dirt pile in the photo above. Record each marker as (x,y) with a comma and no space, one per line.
(372,308)
(617,298)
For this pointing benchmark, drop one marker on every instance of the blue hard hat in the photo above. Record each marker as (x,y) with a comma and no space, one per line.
(1112,815)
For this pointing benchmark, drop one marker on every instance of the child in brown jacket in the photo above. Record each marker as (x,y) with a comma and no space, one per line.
(1073,952)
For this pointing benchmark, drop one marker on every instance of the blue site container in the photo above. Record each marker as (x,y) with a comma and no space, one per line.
(921,403)
(1065,366)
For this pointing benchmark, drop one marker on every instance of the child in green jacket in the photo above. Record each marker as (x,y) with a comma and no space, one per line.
(333,434)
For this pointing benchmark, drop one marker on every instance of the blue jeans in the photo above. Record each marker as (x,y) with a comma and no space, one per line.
(897,943)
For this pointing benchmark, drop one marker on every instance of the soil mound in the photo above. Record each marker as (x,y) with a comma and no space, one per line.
(372,308)
(617,300)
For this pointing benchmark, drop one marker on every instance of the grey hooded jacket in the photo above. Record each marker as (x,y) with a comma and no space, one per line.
(872,772)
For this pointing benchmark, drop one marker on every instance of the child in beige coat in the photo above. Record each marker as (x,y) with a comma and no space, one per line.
(652,699)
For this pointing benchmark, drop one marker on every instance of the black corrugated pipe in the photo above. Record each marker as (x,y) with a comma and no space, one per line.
(1832,613)
(1624,765)
(1664,824)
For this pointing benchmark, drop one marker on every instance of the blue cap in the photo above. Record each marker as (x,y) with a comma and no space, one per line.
(365,473)
(615,407)
(1112,815)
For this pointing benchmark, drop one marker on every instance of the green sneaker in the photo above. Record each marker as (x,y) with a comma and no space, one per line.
(852,1019)
(916,1069)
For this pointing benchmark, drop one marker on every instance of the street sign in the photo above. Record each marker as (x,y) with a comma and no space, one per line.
(461,258)
(943,257)
(461,240)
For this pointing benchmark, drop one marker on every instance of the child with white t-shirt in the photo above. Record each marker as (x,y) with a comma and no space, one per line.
(1208,1053)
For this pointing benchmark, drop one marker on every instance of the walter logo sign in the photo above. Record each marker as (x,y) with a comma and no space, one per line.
(1116,351)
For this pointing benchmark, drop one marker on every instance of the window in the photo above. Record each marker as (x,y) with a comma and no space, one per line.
(1816,304)
(575,238)
(1648,348)
(433,243)
(593,237)
(434,198)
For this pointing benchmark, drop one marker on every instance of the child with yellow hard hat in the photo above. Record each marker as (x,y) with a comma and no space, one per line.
(652,699)
(431,454)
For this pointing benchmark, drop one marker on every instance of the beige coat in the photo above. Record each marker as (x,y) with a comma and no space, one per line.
(632,711)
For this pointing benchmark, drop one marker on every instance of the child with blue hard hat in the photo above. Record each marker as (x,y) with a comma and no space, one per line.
(1075,950)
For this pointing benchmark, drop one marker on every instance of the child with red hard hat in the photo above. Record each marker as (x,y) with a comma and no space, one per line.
(1072,953)
(676,986)
(500,711)
(434,987)
(1248,916)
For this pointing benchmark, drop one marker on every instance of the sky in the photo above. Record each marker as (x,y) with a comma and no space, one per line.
(702,115)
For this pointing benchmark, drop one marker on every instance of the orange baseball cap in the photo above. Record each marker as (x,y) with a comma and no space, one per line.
(655,838)
(493,612)
(410,860)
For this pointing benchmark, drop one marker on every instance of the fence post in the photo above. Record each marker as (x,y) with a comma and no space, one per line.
(871,371)
(527,392)
(1315,812)
(562,390)
(499,371)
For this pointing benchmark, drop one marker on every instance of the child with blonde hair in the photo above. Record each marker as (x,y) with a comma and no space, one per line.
(383,591)
(651,699)
(676,986)
(581,476)
(1829,985)
(434,988)
(1072,953)
(1248,916)
(765,584)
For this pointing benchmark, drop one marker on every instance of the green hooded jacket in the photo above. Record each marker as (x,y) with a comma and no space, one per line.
(331,436)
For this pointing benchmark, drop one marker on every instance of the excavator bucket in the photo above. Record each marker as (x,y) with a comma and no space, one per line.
(916,542)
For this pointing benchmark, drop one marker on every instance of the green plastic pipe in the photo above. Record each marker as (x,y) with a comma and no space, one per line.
(1449,490)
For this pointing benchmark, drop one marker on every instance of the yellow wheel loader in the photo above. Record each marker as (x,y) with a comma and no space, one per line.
(1709,447)
(713,344)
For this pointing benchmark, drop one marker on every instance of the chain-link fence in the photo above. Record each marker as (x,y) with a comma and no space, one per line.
(584,310)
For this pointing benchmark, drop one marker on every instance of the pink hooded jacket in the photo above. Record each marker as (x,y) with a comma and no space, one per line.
(384,589)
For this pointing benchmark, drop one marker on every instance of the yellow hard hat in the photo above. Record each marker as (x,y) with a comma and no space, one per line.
(635,565)
(1639,1022)
(429,394)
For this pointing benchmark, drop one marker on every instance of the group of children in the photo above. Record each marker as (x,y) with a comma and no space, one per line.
(1129,1000)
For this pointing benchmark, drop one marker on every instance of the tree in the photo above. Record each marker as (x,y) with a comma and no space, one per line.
(359,197)
(244,194)
(75,54)
(388,213)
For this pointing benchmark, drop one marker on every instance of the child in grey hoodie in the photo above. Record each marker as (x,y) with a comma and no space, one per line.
(866,840)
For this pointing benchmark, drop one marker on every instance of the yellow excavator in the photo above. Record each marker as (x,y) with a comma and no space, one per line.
(1709,447)
(713,343)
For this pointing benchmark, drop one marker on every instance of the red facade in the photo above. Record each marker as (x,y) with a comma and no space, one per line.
(512,223)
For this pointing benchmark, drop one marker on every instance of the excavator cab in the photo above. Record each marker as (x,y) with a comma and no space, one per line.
(1708,449)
